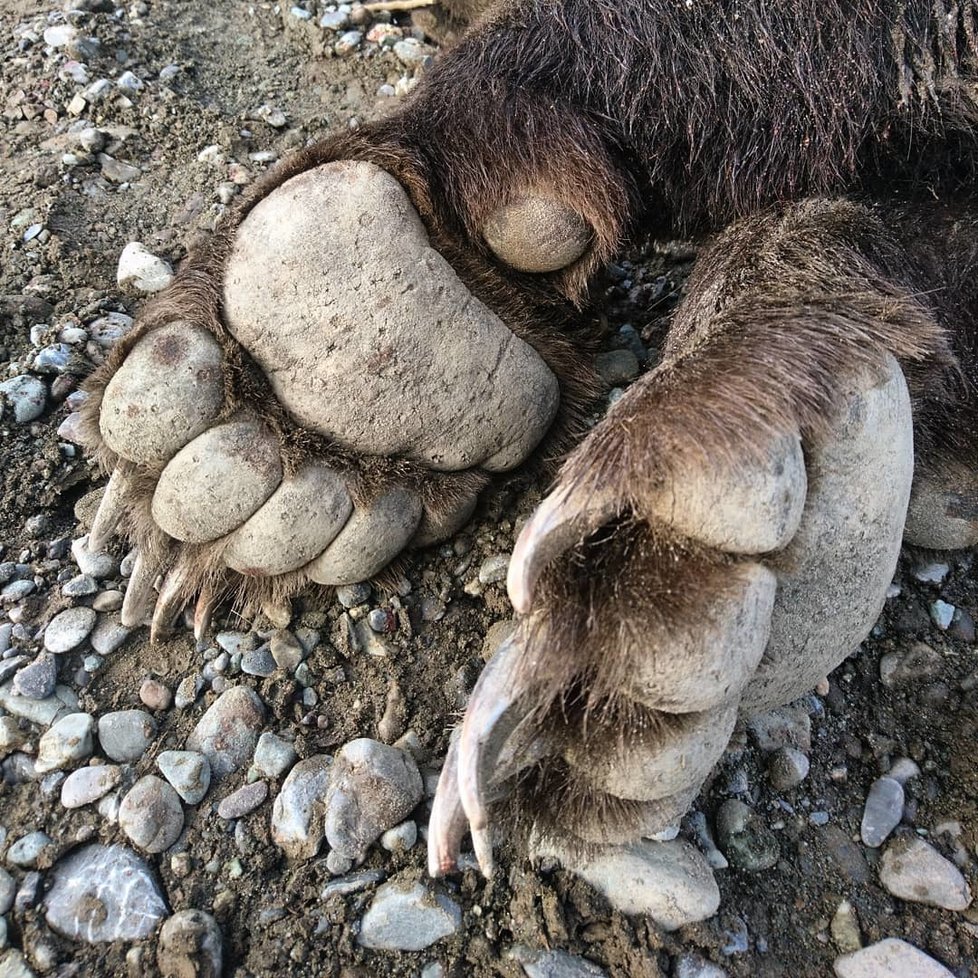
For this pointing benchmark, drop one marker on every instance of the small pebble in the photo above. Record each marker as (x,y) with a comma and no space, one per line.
(188,689)
(260,662)
(37,681)
(372,788)
(190,946)
(882,812)
(98,565)
(107,636)
(787,768)
(29,850)
(141,270)
(88,784)
(243,801)
(187,771)
(66,743)
(914,871)
(151,814)
(942,614)
(155,695)
(401,838)
(889,958)
(286,650)
(297,813)
(228,732)
(125,735)
(26,395)
(273,755)
(493,569)
(352,595)
(744,838)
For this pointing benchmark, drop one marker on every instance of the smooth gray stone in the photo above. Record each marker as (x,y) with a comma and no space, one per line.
(883,811)
(68,629)
(125,735)
(188,771)
(408,917)
(889,958)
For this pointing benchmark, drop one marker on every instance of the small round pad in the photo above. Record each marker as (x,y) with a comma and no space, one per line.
(371,539)
(537,234)
(212,485)
(167,391)
(296,524)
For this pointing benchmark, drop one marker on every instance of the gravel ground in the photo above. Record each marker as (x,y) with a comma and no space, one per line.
(258,807)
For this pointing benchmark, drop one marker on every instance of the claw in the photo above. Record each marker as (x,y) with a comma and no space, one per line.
(137,605)
(496,708)
(169,604)
(557,525)
(207,602)
(448,823)
(111,509)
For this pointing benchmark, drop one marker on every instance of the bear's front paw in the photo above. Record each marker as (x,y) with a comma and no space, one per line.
(307,406)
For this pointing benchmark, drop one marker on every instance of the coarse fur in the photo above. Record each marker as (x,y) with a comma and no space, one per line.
(841,138)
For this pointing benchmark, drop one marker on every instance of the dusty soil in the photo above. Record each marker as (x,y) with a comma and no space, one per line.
(232,58)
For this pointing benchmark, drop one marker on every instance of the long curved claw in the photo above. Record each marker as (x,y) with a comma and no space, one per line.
(111,509)
(497,707)
(207,602)
(169,604)
(137,605)
(559,523)
(448,823)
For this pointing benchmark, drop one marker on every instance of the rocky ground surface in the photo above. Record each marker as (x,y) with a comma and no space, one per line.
(258,807)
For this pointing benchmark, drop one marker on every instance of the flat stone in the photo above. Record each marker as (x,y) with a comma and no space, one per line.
(889,958)
(42,712)
(693,966)
(8,890)
(188,771)
(915,871)
(108,635)
(67,742)
(617,367)
(37,680)
(408,917)
(126,734)
(299,809)
(883,811)
(243,801)
(669,881)
(68,629)
(372,788)
(88,784)
(555,964)
(227,733)
(103,893)
(151,814)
